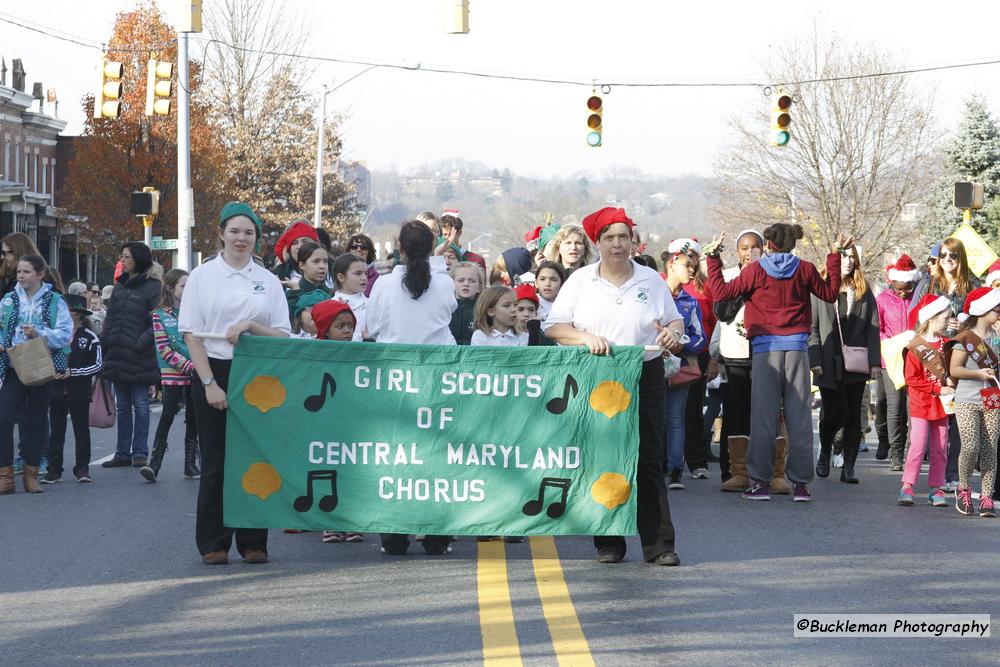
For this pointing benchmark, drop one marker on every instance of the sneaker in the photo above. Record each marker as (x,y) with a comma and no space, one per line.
(18,465)
(800,493)
(82,474)
(699,473)
(437,549)
(963,501)
(675,480)
(986,507)
(116,462)
(758,491)
(905,496)
(937,498)
(354,537)
(333,536)
(863,447)
(50,478)
(43,466)
(950,487)
(140,462)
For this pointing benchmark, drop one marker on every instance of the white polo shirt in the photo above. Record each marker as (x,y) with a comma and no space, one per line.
(217,296)
(625,315)
(394,316)
(359,306)
(496,339)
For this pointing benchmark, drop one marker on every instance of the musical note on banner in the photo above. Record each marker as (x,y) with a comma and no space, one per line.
(556,509)
(315,403)
(327,503)
(557,406)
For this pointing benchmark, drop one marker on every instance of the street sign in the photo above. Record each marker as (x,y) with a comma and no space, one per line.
(163,244)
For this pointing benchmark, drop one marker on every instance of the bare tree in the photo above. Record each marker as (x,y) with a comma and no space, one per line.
(862,147)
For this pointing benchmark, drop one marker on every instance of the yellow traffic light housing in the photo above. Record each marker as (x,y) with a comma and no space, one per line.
(107,101)
(158,87)
(595,121)
(781,120)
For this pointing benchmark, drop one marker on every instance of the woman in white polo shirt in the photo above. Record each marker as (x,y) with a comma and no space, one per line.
(229,294)
(616,301)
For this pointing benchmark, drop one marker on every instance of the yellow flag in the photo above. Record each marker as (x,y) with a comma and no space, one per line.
(980,254)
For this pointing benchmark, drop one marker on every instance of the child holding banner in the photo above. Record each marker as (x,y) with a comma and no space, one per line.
(496,319)
(350,275)
(229,294)
(549,279)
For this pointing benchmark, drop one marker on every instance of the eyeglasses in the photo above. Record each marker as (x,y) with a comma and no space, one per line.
(358,246)
(951,255)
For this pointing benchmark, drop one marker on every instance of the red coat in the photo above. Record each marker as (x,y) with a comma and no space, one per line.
(704,299)
(922,386)
(776,306)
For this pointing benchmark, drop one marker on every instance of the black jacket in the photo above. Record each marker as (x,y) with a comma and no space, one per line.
(84,362)
(860,327)
(127,335)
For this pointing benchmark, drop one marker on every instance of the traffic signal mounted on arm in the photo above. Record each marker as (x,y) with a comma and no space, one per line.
(108,100)
(781,121)
(158,87)
(595,121)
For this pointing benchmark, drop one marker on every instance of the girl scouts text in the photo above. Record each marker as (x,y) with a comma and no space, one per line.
(463,384)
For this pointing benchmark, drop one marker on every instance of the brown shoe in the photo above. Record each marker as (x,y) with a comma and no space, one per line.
(7,481)
(215,558)
(140,462)
(255,556)
(29,479)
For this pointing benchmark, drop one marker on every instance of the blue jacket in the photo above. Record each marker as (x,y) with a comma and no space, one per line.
(690,311)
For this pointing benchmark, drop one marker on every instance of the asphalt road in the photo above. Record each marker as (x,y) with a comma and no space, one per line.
(108,574)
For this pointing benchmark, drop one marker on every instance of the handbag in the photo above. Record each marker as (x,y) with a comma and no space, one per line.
(102,405)
(32,362)
(855,358)
(688,373)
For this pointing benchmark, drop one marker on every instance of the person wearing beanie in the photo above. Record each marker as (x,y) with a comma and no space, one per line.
(778,319)
(615,301)
(286,251)
(229,295)
(130,361)
(334,320)
(893,319)
(950,277)
(511,264)
(974,365)
(526,301)
(928,381)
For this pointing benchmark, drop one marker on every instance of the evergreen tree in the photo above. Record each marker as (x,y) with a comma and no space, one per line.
(973,155)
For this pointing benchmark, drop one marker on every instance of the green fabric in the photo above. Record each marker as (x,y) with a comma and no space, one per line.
(235,208)
(463,321)
(305,288)
(547,234)
(435,450)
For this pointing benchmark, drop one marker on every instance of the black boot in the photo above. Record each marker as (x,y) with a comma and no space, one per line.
(882,453)
(823,463)
(850,458)
(152,468)
(191,460)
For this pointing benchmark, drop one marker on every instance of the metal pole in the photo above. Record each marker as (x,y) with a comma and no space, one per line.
(318,203)
(184,194)
(147,230)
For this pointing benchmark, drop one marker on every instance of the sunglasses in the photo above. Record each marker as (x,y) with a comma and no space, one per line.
(358,246)
(952,255)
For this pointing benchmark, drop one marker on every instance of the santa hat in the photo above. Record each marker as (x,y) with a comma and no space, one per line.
(526,291)
(325,312)
(598,220)
(531,238)
(994,273)
(298,229)
(450,213)
(904,270)
(979,302)
(929,306)
(684,245)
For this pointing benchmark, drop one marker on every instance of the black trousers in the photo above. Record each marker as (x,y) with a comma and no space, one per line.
(735,411)
(656,530)
(954,447)
(34,427)
(210,534)
(897,421)
(79,412)
(842,410)
(695,449)
(173,396)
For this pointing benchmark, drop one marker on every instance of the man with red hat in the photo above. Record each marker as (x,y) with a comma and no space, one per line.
(893,309)
(615,301)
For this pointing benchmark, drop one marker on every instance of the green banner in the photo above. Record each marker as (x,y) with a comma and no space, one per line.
(431,439)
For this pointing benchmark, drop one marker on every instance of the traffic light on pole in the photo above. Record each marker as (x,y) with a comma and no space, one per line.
(107,101)
(781,120)
(595,121)
(158,87)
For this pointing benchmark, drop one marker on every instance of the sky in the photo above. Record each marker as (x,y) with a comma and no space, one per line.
(401,118)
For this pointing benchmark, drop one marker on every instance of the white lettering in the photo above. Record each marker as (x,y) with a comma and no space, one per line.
(455,455)
(360,382)
(313,458)
(425,417)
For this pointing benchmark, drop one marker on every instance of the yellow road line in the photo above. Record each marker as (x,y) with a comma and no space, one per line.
(570,645)
(496,614)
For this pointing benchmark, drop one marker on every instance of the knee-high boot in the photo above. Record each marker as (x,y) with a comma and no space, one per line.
(191,470)
(779,485)
(152,469)
(738,480)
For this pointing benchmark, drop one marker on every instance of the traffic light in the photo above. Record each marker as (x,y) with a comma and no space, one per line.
(158,87)
(146,203)
(107,101)
(595,121)
(781,120)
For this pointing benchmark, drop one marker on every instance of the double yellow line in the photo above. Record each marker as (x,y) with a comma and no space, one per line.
(496,613)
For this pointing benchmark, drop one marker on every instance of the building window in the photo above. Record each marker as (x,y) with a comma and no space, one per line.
(45,175)
(34,173)
(17,162)
(52,181)
(6,157)
(27,168)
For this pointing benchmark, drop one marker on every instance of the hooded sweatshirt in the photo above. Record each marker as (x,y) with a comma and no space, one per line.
(892,315)
(776,290)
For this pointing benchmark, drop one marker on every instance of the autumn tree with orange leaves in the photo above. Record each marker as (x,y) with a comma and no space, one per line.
(115,157)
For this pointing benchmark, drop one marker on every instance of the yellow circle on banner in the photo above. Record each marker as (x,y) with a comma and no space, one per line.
(265,392)
(610,398)
(611,490)
(261,480)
